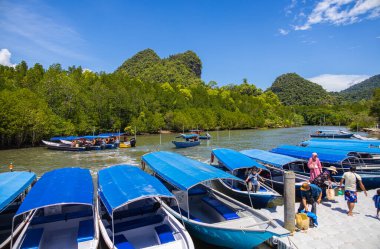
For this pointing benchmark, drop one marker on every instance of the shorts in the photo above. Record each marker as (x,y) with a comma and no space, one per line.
(351,196)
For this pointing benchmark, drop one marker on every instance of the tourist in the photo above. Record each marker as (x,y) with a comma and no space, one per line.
(315,166)
(325,179)
(351,179)
(310,194)
(376,199)
(253,179)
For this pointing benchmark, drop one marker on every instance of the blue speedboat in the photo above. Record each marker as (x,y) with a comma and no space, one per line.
(13,188)
(338,158)
(62,207)
(208,214)
(188,140)
(238,164)
(130,214)
(278,165)
(331,134)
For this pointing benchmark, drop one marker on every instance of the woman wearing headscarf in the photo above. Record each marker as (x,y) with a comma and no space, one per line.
(315,166)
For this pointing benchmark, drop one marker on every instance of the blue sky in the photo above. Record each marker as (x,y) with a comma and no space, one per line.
(333,42)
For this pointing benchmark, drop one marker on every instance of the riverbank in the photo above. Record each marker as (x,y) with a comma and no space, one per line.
(372,130)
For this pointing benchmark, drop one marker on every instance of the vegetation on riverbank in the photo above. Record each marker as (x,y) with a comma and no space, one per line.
(145,92)
(353,107)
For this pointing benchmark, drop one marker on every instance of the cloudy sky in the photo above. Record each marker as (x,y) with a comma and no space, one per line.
(335,43)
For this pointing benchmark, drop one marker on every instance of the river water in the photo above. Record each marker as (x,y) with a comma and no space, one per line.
(40,160)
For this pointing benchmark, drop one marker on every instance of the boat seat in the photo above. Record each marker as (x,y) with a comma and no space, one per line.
(197,191)
(221,208)
(85,230)
(140,222)
(60,217)
(121,242)
(184,213)
(164,233)
(32,238)
(134,212)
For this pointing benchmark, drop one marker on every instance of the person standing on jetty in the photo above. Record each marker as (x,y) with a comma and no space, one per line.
(350,195)
(315,166)
(376,199)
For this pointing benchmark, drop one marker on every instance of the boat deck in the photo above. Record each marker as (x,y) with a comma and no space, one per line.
(336,229)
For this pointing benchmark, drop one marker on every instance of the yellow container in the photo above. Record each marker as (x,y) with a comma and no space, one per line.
(302,221)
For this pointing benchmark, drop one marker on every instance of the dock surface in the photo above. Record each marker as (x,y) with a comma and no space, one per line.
(336,229)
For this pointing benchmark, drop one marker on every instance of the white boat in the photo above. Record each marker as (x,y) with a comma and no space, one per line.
(208,214)
(130,213)
(62,212)
(13,188)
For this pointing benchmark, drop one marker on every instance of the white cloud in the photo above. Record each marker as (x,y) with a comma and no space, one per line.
(46,32)
(337,82)
(283,31)
(5,58)
(378,37)
(341,12)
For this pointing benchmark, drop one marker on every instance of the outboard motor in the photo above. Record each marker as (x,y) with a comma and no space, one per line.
(133,142)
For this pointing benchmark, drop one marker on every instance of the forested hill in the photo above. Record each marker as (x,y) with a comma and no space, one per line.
(184,68)
(145,92)
(292,89)
(362,90)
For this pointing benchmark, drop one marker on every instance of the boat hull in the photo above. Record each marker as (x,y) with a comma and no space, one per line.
(332,135)
(259,200)
(186,144)
(224,237)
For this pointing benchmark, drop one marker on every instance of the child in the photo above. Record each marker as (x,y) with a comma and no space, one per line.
(253,180)
(376,199)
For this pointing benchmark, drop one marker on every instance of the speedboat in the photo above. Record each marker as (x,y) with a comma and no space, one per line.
(62,211)
(238,165)
(13,188)
(189,140)
(208,214)
(130,212)
(331,134)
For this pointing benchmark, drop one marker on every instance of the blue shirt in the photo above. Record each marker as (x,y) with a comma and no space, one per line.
(376,199)
(313,192)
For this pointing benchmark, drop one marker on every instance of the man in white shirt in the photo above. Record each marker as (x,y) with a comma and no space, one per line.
(350,195)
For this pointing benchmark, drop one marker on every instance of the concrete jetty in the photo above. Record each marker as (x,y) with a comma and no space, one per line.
(336,229)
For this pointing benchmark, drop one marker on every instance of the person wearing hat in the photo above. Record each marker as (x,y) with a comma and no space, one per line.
(325,177)
(310,194)
(315,166)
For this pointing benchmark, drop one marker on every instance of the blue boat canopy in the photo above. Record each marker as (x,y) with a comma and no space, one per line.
(325,156)
(235,160)
(366,143)
(276,160)
(188,136)
(68,138)
(122,184)
(12,184)
(348,147)
(112,134)
(60,186)
(183,172)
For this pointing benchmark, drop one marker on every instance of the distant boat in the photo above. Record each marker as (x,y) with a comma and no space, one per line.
(331,134)
(128,144)
(207,136)
(13,188)
(63,147)
(63,212)
(208,214)
(238,164)
(130,214)
(190,140)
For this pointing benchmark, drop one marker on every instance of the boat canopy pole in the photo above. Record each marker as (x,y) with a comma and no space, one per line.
(249,194)
(179,210)
(113,231)
(13,221)
(188,206)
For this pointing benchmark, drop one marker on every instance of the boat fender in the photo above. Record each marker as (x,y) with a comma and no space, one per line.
(212,157)
(143,165)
